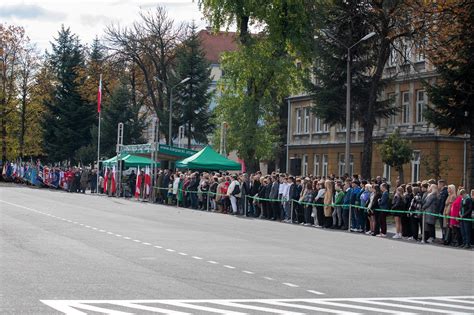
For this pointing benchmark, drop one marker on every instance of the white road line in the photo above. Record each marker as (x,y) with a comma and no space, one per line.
(418,308)
(268,278)
(315,292)
(110,233)
(429,303)
(157,246)
(127,238)
(212,262)
(149,308)
(94,228)
(256,308)
(201,308)
(183,254)
(229,267)
(456,300)
(248,272)
(170,250)
(102,231)
(358,307)
(137,241)
(87,226)
(146,243)
(290,284)
(305,307)
(196,257)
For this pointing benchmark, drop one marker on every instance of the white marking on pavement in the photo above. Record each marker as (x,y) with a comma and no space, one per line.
(305,307)
(149,308)
(256,308)
(95,228)
(315,292)
(87,226)
(437,304)
(102,231)
(365,308)
(183,254)
(290,284)
(196,257)
(118,235)
(127,238)
(110,233)
(212,262)
(137,241)
(201,308)
(146,243)
(170,250)
(248,272)
(157,246)
(230,267)
(268,278)
(426,309)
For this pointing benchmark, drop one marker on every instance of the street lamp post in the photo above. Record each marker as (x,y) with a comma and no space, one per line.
(170,129)
(348,104)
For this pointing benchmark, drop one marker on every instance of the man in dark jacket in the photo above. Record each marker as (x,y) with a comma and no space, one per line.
(274,196)
(132,182)
(443,195)
(192,188)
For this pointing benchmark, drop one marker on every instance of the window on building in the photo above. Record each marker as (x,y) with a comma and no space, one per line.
(342,164)
(393,100)
(420,106)
(304,165)
(415,166)
(405,107)
(325,165)
(316,165)
(306,120)
(386,171)
(298,120)
(419,54)
(325,128)
(392,60)
(317,125)
(341,127)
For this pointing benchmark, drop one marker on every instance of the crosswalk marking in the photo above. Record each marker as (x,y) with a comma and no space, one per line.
(379,305)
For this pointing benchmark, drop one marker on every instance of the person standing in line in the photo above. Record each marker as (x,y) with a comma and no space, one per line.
(447,212)
(328,203)
(318,211)
(233,191)
(355,201)
(415,206)
(338,201)
(443,195)
(407,198)
(375,195)
(132,182)
(466,213)
(384,205)
(346,202)
(274,194)
(430,207)
(398,205)
(307,197)
(364,201)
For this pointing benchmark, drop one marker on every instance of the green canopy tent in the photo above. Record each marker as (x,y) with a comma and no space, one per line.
(130,161)
(208,159)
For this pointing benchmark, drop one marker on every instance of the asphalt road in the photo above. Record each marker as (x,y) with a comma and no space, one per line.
(76,254)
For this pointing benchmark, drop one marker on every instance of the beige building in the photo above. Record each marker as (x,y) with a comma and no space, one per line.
(317,148)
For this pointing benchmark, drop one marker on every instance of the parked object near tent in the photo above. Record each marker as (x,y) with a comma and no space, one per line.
(208,159)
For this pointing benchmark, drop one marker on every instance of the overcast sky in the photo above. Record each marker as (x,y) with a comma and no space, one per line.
(43,18)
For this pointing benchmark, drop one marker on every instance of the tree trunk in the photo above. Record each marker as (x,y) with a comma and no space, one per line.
(4,140)
(401,174)
(367,151)
(470,153)
(23,125)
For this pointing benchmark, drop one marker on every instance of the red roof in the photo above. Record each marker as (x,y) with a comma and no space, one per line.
(214,44)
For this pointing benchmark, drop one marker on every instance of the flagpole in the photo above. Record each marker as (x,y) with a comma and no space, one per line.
(99,99)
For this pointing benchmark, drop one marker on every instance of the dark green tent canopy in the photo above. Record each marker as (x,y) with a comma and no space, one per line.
(130,161)
(208,159)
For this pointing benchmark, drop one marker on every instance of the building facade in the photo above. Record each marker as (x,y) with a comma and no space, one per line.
(317,148)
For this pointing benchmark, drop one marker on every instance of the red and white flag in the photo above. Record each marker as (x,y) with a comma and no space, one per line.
(106,177)
(112,182)
(138,185)
(99,94)
(147,181)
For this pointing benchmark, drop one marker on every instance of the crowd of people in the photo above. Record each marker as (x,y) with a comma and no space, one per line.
(346,203)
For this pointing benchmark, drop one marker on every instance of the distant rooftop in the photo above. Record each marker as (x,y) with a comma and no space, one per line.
(214,44)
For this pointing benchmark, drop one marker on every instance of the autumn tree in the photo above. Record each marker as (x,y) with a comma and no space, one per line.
(396,152)
(449,45)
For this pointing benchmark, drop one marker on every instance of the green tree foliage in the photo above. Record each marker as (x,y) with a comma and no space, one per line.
(69,117)
(119,108)
(339,25)
(193,96)
(396,151)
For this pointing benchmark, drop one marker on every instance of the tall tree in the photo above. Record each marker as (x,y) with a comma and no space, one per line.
(12,41)
(340,24)
(396,152)
(70,117)
(193,96)
(449,45)
(119,108)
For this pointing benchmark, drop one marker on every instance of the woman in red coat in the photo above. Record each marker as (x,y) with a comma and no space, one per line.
(453,223)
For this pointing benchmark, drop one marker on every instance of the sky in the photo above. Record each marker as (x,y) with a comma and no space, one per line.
(86,18)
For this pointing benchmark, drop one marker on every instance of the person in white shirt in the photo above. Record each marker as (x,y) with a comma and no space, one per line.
(232,193)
